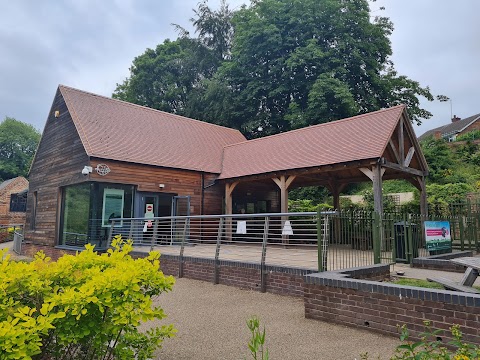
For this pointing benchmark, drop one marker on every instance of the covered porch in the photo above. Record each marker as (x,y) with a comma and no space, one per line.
(371,148)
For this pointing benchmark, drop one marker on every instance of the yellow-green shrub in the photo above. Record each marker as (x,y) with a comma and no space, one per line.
(86,306)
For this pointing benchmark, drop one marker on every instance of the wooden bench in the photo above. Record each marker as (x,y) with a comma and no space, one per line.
(472,265)
(452,285)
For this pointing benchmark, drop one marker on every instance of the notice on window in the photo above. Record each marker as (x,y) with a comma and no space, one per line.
(437,235)
(112,206)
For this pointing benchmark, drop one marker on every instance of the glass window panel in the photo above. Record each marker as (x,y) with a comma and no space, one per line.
(113,203)
(76,209)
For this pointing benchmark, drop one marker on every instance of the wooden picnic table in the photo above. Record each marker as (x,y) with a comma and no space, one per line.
(472,271)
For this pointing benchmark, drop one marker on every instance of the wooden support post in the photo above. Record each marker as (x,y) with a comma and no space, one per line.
(336,189)
(423,197)
(283,183)
(377,188)
(228,208)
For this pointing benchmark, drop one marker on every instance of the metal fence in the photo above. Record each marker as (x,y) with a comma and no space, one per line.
(13,232)
(326,240)
(18,241)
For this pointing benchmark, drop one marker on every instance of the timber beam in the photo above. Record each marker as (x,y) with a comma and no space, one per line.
(401,168)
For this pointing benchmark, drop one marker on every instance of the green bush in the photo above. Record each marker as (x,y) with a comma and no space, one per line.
(448,193)
(86,306)
(306,206)
(471,135)
(431,348)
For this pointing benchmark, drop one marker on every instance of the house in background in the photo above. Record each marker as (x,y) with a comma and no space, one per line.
(101,159)
(13,197)
(457,127)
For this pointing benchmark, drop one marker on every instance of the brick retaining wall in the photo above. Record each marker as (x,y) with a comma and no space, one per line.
(349,297)
(335,297)
(278,279)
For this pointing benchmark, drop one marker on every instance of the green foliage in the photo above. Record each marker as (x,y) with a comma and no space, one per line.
(86,306)
(439,159)
(471,135)
(388,202)
(396,186)
(274,66)
(306,206)
(256,344)
(430,348)
(18,143)
(316,194)
(449,193)
(6,234)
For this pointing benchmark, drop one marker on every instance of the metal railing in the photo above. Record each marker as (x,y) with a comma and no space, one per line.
(17,242)
(303,240)
(12,232)
(324,240)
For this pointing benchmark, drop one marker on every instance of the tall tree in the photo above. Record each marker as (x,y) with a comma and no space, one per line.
(18,143)
(301,62)
(171,77)
(276,65)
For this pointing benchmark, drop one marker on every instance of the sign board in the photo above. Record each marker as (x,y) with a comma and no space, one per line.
(287,228)
(241,227)
(149,211)
(437,235)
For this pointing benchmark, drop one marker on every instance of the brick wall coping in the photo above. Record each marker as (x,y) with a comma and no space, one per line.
(343,279)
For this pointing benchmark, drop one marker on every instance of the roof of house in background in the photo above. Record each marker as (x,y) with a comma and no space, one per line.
(357,138)
(4,184)
(451,128)
(118,130)
(12,181)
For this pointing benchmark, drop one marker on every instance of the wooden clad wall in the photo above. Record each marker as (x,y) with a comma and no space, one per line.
(213,196)
(59,161)
(175,181)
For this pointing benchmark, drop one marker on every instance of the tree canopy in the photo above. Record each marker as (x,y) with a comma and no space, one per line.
(274,66)
(18,143)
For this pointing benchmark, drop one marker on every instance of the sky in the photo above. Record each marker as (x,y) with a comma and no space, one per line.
(90,45)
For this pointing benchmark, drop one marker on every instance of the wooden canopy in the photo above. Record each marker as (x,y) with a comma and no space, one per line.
(371,147)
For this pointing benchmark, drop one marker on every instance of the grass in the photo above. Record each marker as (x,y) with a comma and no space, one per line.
(421,283)
(417,282)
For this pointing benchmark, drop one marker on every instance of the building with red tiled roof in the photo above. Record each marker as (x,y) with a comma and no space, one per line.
(455,128)
(101,158)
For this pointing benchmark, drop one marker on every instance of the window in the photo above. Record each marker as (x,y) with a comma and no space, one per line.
(87,210)
(76,207)
(34,211)
(113,200)
(18,202)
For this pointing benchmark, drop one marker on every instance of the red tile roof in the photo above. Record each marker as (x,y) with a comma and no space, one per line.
(357,138)
(117,130)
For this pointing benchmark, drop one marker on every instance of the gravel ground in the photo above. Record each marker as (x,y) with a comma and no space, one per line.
(211,323)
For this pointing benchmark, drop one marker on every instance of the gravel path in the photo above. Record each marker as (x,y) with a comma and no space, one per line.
(211,325)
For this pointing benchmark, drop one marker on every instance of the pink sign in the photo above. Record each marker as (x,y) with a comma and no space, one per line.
(437,232)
